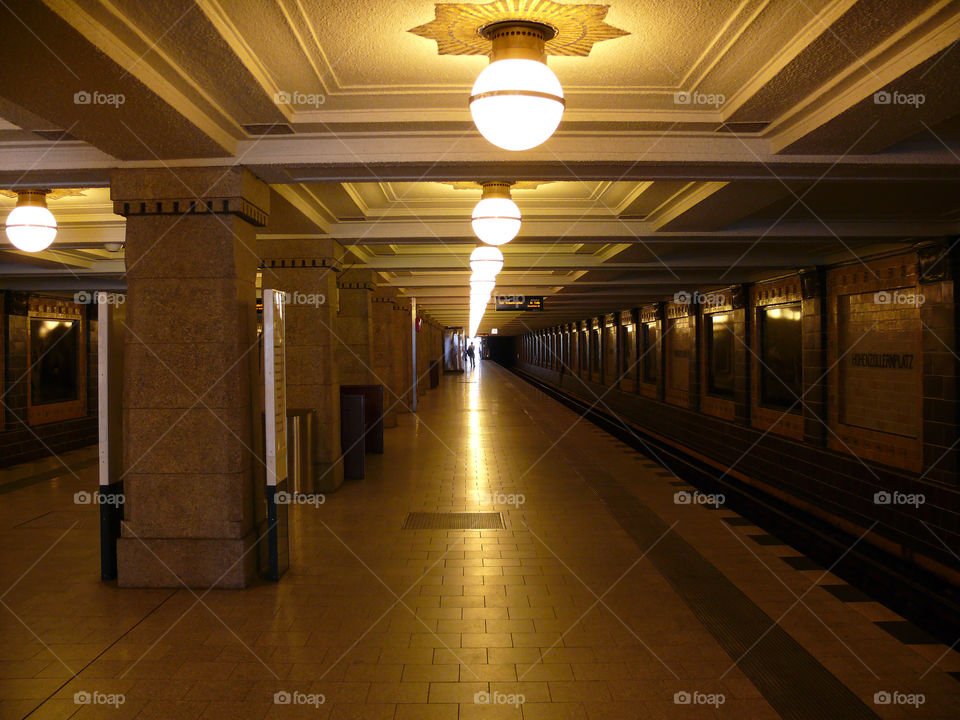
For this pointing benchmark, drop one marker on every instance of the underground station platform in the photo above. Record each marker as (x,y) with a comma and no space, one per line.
(502,359)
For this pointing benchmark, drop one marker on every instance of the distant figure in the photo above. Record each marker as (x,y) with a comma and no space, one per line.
(471,356)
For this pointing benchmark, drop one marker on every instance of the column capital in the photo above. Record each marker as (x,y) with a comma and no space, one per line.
(812,282)
(190,191)
(384,294)
(308,262)
(299,252)
(934,261)
(355,279)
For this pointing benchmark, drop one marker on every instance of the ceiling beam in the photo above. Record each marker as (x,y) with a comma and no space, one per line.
(402,232)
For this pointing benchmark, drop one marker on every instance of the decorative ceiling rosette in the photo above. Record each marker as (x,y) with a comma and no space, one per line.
(456,27)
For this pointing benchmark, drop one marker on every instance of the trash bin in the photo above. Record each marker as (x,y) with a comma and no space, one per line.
(373,414)
(352,434)
(300,434)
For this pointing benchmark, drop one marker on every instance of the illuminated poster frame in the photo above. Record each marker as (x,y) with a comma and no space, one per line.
(274,375)
(57,310)
(275,431)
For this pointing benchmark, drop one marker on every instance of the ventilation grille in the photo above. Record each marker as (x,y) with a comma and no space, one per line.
(453,521)
(269,129)
(54,135)
(745,128)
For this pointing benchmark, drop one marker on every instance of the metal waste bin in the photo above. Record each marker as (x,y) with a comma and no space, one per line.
(300,434)
(352,433)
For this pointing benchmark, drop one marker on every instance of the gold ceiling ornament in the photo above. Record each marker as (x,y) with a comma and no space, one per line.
(457,26)
(54,194)
(519,185)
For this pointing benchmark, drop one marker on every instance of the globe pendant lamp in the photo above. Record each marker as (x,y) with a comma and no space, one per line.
(481,287)
(517,102)
(496,218)
(486,261)
(30,226)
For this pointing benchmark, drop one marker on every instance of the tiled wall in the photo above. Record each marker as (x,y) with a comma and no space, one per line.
(874,354)
(679,356)
(875,407)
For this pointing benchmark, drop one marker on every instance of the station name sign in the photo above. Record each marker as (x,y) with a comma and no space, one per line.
(519,302)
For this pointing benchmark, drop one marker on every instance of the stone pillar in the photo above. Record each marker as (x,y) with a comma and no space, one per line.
(739,304)
(306,269)
(383,356)
(813,288)
(696,352)
(436,354)
(354,346)
(402,354)
(191,420)
(423,355)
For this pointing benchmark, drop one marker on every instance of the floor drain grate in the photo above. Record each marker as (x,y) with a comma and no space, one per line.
(454,521)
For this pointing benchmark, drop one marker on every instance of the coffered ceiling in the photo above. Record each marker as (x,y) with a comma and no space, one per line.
(714,142)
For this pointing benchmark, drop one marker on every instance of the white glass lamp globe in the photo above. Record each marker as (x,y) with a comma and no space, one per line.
(496,220)
(30,226)
(517,103)
(486,261)
(481,286)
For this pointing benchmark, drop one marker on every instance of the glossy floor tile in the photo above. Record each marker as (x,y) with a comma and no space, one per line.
(602,597)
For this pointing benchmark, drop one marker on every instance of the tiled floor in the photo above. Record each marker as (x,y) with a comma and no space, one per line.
(580,608)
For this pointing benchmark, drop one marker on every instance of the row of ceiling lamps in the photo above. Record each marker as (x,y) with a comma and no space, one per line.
(516,103)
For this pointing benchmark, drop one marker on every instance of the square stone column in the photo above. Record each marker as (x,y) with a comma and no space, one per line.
(383,355)
(813,288)
(402,353)
(355,343)
(307,269)
(422,355)
(426,352)
(434,348)
(192,437)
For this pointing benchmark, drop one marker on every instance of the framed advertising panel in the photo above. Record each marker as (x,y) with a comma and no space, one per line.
(57,358)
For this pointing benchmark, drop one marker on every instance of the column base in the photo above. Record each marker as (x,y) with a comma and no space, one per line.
(228,563)
(328,476)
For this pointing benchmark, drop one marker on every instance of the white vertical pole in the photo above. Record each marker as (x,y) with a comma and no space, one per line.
(104,338)
(413,350)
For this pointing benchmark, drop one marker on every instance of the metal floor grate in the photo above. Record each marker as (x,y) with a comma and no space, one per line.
(454,521)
